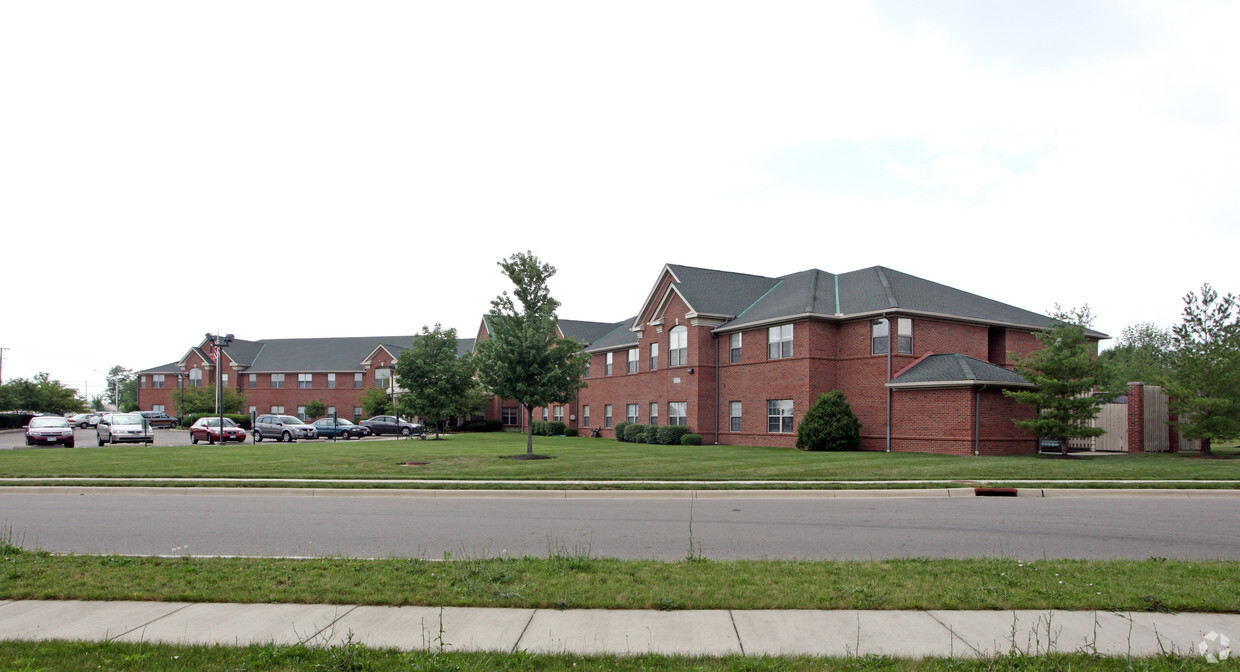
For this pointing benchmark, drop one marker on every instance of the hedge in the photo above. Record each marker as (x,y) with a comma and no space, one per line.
(670,435)
(549,428)
(691,440)
(483,426)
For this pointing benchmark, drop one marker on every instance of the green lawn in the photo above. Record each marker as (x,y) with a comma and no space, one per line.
(480,456)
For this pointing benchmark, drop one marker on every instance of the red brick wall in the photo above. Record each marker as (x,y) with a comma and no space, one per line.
(946,421)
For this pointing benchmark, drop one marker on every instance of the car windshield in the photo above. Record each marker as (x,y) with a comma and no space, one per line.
(342,422)
(126,419)
(49,422)
(215,422)
(289,420)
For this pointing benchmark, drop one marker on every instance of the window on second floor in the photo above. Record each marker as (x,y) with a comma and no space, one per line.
(734,347)
(305,380)
(253,380)
(277,383)
(157,381)
(195,377)
(634,353)
(654,356)
(734,416)
(358,380)
(383,378)
(880,336)
(678,346)
(331,381)
(607,368)
(779,342)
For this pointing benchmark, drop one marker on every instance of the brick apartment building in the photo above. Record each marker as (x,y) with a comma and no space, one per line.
(283,375)
(739,359)
(736,358)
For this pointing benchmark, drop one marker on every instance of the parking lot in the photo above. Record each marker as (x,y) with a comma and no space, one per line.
(15,439)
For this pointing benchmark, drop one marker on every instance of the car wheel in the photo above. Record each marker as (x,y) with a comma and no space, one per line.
(258,437)
(406,432)
(286,436)
(112,439)
(210,439)
(99,439)
(69,445)
(193,438)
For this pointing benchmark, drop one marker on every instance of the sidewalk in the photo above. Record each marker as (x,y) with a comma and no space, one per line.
(960,634)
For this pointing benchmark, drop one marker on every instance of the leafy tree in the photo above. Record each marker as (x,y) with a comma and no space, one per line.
(439,384)
(1066,372)
(829,424)
(201,400)
(375,401)
(1141,353)
(124,380)
(316,408)
(41,395)
(1205,378)
(97,402)
(525,359)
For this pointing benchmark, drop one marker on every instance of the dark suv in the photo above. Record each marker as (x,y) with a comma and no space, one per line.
(160,419)
(282,428)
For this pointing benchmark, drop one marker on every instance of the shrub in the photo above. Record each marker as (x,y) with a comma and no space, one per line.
(620,427)
(483,426)
(829,424)
(570,431)
(634,432)
(555,428)
(669,435)
(691,440)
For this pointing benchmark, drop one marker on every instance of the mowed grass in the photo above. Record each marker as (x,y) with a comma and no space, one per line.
(565,581)
(482,456)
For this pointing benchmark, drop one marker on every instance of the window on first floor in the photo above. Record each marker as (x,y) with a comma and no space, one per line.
(253,410)
(779,416)
(224,382)
(357,413)
(607,415)
(277,409)
(277,382)
(677,412)
(544,412)
(654,413)
(509,416)
(734,416)
(585,416)
(630,413)
(558,415)
(301,413)
(331,411)
(158,408)
(779,342)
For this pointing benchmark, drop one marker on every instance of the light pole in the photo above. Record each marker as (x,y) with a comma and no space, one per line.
(219,343)
(181,387)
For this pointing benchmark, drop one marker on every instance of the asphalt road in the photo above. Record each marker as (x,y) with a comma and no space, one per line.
(262,523)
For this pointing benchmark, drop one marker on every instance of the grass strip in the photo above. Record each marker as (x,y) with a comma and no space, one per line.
(584,582)
(480,456)
(353,657)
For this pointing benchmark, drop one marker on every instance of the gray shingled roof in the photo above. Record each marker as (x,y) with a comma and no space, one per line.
(956,369)
(586,332)
(170,367)
(340,354)
(621,336)
(719,292)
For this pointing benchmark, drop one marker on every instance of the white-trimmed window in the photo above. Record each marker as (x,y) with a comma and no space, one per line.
(142,382)
(195,377)
(382,378)
(607,368)
(253,410)
(607,415)
(630,413)
(544,412)
(357,413)
(508,415)
(734,416)
(158,408)
(634,353)
(358,380)
(558,414)
(277,409)
(585,415)
(654,356)
(253,380)
(779,341)
(734,347)
(331,381)
(677,412)
(157,382)
(225,381)
(880,336)
(779,416)
(588,366)
(277,383)
(305,380)
(301,413)
(331,411)
(678,346)
(654,413)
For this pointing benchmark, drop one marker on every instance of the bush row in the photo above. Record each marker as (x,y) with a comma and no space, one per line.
(549,428)
(483,426)
(666,435)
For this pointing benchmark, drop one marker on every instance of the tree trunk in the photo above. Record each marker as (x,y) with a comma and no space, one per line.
(529,432)
(1205,447)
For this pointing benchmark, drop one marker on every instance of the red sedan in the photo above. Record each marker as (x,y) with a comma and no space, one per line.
(208,429)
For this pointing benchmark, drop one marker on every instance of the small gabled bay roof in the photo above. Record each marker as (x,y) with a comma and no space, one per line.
(955,370)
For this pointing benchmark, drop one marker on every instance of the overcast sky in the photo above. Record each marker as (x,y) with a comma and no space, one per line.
(301,169)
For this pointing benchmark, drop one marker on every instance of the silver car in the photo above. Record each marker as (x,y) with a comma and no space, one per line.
(126,427)
(282,428)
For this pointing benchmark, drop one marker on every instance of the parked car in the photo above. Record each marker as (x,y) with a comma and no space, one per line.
(92,418)
(79,420)
(345,429)
(389,424)
(208,429)
(160,419)
(126,427)
(282,428)
(49,429)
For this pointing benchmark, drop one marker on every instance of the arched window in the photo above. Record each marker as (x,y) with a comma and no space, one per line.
(678,348)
